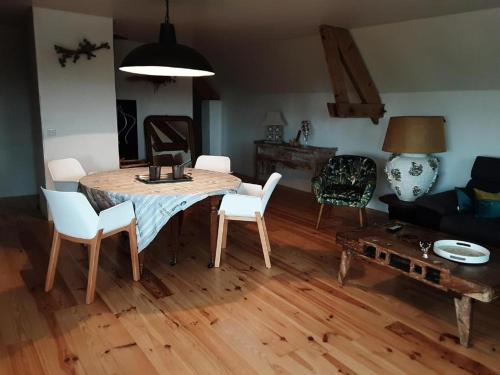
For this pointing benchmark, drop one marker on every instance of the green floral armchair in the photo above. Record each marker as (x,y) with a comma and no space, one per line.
(346,180)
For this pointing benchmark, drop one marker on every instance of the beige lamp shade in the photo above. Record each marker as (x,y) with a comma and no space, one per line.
(415,135)
(274,118)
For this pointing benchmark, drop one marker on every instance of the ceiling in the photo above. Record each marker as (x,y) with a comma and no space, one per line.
(205,22)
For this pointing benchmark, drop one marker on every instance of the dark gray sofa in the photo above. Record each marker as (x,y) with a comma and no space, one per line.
(439,211)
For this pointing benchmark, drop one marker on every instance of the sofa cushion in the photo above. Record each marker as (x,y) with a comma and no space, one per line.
(487,204)
(487,209)
(486,196)
(465,202)
(444,203)
(486,168)
(485,175)
(485,185)
(468,227)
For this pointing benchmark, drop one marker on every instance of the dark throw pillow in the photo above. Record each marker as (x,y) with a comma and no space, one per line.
(465,203)
(487,204)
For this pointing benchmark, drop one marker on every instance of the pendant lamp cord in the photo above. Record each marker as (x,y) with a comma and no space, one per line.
(167,13)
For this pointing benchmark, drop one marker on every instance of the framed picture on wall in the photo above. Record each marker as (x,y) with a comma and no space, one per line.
(126,112)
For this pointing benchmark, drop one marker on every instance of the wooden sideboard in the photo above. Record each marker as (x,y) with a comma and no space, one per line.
(270,155)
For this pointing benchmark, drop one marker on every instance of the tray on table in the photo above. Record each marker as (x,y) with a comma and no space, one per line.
(164,178)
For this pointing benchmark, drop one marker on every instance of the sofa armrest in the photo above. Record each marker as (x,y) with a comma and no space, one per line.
(444,203)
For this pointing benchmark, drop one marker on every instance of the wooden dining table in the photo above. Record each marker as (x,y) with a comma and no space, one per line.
(157,204)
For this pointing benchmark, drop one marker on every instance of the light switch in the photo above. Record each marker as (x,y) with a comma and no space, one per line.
(51,132)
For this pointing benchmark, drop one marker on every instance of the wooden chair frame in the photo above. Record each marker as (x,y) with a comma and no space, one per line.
(361,212)
(94,246)
(223,229)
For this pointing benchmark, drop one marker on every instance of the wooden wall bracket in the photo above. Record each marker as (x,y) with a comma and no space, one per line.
(342,54)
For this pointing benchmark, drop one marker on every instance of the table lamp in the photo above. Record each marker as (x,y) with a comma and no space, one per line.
(274,123)
(412,169)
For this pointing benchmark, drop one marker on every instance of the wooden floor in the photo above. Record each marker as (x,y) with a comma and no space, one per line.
(239,319)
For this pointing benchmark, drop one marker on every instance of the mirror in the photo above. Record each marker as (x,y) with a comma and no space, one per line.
(169,140)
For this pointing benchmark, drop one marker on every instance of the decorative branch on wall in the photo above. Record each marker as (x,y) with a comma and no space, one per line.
(342,56)
(84,48)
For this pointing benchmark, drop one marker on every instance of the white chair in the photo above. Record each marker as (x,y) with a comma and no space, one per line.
(250,189)
(246,207)
(214,163)
(75,220)
(66,173)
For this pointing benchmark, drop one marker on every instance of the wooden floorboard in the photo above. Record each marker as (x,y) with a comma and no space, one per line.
(239,319)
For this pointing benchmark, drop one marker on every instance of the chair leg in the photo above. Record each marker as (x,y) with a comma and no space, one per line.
(181,222)
(220,238)
(362,217)
(54,254)
(263,240)
(142,260)
(95,247)
(319,215)
(224,236)
(267,235)
(174,238)
(134,253)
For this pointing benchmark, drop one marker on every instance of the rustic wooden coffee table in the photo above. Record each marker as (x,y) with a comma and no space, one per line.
(401,252)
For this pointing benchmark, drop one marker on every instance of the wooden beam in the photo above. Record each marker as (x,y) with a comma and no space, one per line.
(356,68)
(334,62)
(357,110)
(343,56)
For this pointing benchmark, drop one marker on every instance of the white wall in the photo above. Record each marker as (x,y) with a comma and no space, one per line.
(212,127)
(438,66)
(77,101)
(17,166)
(472,128)
(170,99)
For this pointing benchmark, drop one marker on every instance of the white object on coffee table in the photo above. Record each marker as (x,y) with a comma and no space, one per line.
(461,251)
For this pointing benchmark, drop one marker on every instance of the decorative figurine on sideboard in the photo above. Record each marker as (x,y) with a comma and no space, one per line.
(274,123)
(306,130)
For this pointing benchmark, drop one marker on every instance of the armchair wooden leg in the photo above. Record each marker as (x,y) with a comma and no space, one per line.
(319,215)
(95,247)
(267,235)
(263,240)
(220,238)
(54,255)
(134,254)
(362,217)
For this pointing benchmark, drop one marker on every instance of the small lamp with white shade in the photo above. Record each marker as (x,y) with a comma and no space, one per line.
(274,123)
(412,169)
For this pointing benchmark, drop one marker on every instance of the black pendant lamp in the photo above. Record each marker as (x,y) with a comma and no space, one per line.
(167,57)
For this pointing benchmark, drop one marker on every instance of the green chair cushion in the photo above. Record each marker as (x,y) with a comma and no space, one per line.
(347,193)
